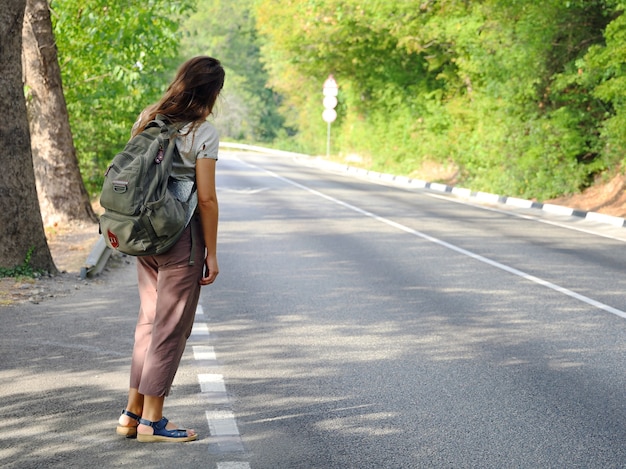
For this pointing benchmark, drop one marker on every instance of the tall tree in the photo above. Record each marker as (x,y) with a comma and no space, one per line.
(62,194)
(227,30)
(116,57)
(23,236)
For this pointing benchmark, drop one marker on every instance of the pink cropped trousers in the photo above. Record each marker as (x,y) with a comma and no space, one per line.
(169,291)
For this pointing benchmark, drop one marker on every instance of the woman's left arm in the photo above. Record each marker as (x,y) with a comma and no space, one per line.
(209,214)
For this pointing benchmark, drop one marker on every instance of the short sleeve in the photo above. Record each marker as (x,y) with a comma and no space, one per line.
(208,141)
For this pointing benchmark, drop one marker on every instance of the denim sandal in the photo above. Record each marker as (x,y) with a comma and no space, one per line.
(163,434)
(129,431)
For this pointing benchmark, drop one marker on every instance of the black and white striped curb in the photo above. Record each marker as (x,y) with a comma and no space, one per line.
(487,197)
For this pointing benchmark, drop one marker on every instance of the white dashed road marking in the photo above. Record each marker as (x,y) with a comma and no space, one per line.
(199,330)
(222,423)
(233,465)
(203,352)
(225,437)
(212,383)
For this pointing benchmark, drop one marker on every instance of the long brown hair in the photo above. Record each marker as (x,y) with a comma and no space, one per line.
(191,96)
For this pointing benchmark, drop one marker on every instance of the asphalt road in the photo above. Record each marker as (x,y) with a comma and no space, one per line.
(353,325)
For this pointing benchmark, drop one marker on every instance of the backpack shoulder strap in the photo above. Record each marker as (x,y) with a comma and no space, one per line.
(172,128)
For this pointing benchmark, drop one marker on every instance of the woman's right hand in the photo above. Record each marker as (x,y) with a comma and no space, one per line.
(211,269)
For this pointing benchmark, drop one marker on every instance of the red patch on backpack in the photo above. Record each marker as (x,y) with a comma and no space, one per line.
(115,243)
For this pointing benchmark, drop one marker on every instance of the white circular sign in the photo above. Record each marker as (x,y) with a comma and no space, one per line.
(330,87)
(330,91)
(330,102)
(329,115)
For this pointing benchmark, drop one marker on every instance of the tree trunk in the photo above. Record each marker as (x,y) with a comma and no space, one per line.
(21,226)
(62,194)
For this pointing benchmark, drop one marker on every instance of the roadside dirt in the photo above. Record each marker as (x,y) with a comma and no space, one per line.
(70,246)
(608,198)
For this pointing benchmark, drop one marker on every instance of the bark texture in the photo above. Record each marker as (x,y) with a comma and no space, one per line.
(62,194)
(21,226)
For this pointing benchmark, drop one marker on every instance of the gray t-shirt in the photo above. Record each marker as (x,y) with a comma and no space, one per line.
(203,142)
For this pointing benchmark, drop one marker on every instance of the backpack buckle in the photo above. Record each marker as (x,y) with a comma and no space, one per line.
(120,187)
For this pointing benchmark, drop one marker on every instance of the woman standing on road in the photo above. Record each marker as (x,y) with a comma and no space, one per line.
(169,283)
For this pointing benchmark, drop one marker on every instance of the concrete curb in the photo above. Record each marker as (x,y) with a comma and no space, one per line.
(96,260)
(443,188)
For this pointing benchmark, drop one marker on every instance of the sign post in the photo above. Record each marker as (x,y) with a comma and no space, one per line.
(330,90)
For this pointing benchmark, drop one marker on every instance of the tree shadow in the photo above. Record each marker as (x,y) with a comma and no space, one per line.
(429,359)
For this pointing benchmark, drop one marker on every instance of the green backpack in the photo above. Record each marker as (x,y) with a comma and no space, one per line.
(141,216)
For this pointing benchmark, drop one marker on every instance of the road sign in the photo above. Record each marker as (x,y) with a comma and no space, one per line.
(330,87)
(330,90)
(329,115)
(330,102)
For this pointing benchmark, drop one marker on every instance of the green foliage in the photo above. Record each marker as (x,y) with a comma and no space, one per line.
(115,57)
(23,270)
(494,86)
(524,97)
(226,30)
(603,72)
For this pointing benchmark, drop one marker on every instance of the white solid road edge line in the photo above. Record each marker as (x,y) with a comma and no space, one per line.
(452,247)
(437,187)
